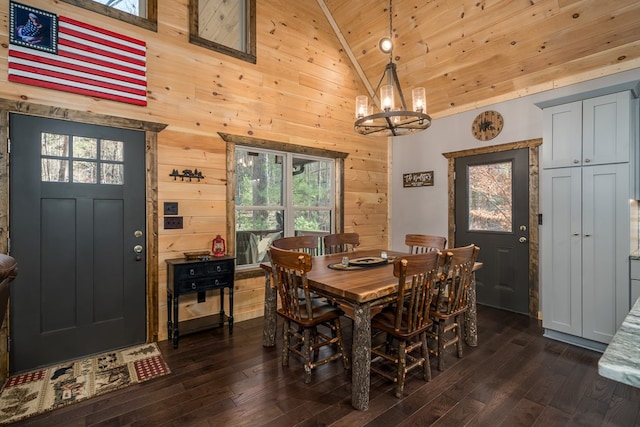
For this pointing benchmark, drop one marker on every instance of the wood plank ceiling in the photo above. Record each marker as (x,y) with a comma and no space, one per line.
(470,53)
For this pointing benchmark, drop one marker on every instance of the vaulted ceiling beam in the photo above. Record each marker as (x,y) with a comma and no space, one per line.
(348,51)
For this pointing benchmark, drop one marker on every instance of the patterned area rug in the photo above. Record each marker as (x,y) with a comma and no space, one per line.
(31,393)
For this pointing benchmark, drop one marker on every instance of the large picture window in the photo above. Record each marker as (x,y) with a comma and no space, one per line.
(280,194)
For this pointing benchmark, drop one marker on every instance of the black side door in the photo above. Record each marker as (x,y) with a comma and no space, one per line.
(492,211)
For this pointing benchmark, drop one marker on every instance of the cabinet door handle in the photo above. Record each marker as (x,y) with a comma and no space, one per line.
(587,235)
(576,234)
(587,160)
(576,161)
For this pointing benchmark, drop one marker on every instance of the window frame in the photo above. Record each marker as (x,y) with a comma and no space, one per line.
(250,33)
(150,22)
(250,142)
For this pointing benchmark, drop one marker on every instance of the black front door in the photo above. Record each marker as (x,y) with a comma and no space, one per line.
(77,222)
(492,211)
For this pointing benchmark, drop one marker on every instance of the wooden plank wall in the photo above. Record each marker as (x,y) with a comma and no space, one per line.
(300,91)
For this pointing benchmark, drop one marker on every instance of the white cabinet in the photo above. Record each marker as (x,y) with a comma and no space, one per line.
(590,132)
(584,201)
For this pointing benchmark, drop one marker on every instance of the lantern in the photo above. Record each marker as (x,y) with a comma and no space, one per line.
(218,247)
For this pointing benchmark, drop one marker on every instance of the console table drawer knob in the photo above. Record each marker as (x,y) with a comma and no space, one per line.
(192,272)
(193,285)
(218,268)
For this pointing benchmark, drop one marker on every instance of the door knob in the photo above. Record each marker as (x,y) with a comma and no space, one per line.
(137,249)
(522,240)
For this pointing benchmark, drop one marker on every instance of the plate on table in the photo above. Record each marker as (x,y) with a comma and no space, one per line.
(368,261)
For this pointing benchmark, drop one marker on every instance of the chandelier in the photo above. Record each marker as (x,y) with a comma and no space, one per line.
(391,120)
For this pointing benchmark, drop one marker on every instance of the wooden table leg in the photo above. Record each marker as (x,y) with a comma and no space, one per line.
(270,307)
(471,316)
(361,357)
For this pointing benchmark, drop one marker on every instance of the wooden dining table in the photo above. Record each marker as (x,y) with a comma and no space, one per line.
(361,293)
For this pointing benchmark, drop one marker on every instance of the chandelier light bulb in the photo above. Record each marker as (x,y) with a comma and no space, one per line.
(362,109)
(419,100)
(386,97)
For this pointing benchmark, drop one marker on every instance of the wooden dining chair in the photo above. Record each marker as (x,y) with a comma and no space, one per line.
(306,244)
(451,301)
(303,316)
(421,243)
(341,242)
(406,322)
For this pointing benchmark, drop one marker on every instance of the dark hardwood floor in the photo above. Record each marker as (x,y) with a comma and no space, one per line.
(515,377)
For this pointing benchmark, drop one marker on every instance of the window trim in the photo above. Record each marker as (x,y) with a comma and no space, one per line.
(150,22)
(194,34)
(245,141)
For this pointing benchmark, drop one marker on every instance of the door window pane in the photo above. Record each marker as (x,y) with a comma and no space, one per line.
(112,150)
(112,173)
(54,151)
(85,172)
(52,144)
(54,170)
(491,197)
(63,156)
(85,148)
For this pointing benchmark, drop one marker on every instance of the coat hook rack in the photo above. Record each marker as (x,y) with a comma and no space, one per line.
(187,173)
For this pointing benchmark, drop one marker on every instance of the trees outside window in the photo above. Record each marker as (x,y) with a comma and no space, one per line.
(280,194)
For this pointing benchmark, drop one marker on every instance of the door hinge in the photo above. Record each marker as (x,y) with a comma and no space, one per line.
(8,343)
(8,145)
(454,176)
(8,245)
(539,219)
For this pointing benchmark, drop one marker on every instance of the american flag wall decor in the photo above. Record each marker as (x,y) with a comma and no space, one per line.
(72,56)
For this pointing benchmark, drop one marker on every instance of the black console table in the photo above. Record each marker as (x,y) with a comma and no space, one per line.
(198,276)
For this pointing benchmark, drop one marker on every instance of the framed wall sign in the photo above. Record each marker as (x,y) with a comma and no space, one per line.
(417,179)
